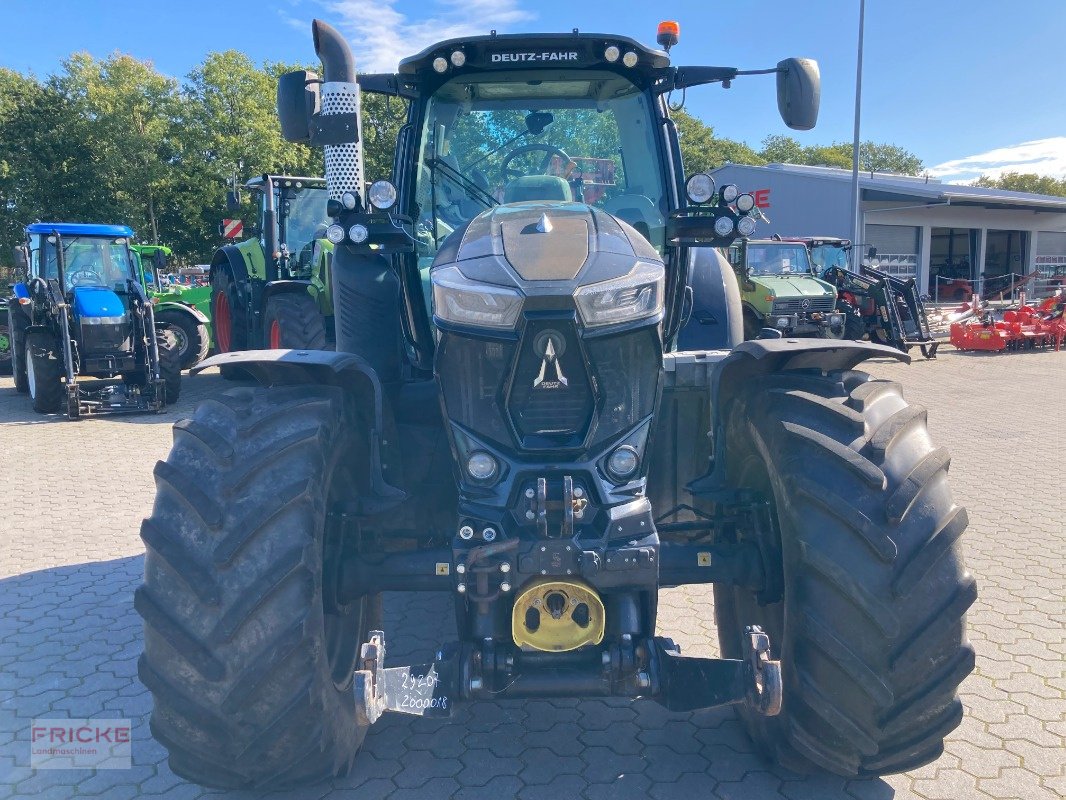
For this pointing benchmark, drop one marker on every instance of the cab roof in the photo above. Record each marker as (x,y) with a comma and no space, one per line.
(81,229)
(260,180)
(532,51)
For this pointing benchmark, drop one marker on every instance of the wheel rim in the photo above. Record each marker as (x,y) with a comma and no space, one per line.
(181,341)
(31,378)
(275,335)
(220,314)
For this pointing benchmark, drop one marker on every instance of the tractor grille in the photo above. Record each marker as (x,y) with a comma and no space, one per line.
(795,305)
(551,397)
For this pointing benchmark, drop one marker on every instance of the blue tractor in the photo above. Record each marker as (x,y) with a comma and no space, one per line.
(79,311)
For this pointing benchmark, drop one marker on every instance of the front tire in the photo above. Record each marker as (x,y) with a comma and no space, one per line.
(227,315)
(6,351)
(170,358)
(870,630)
(18,324)
(293,321)
(191,337)
(44,372)
(249,662)
(854,327)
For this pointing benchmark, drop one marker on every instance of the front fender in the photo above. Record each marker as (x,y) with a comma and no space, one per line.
(187,308)
(349,372)
(764,356)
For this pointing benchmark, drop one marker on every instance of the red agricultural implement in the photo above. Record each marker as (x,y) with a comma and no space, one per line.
(1023,328)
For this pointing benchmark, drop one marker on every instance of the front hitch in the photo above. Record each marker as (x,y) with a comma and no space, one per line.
(652,668)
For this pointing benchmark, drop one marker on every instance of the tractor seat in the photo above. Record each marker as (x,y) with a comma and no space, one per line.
(537,187)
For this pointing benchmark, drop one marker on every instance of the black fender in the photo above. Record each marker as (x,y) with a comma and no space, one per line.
(229,256)
(175,305)
(716,319)
(762,357)
(283,286)
(351,373)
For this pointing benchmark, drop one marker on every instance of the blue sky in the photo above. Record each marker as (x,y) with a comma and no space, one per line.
(947,79)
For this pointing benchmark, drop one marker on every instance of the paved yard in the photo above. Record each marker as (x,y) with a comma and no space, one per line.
(73,494)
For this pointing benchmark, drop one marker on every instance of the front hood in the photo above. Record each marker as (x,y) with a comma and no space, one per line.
(98,303)
(793,285)
(541,247)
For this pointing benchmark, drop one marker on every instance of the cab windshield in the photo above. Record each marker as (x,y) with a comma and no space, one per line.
(586,138)
(778,259)
(90,261)
(825,256)
(304,213)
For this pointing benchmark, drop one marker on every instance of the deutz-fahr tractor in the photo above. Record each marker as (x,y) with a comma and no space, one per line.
(182,310)
(537,450)
(273,289)
(80,311)
(779,290)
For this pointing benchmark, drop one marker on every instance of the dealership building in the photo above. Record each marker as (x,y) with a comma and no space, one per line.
(936,232)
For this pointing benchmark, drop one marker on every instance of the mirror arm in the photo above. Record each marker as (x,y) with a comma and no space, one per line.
(684,77)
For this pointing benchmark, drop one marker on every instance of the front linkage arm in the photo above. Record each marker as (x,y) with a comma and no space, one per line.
(653,668)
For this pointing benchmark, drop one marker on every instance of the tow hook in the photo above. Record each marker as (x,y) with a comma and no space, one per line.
(764,687)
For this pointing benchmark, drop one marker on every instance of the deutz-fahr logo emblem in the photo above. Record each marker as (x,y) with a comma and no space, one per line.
(541,57)
(549,345)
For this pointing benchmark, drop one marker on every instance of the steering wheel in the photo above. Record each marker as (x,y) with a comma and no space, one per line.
(550,151)
(86,276)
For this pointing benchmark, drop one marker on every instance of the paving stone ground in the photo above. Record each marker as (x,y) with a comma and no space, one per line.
(72,495)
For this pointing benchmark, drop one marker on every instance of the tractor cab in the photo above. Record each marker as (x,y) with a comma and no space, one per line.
(93,268)
(273,288)
(291,216)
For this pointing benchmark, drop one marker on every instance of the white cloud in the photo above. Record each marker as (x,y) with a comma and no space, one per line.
(1042,156)
(380,34)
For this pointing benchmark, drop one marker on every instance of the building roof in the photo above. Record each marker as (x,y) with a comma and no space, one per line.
(80,229)
(889,186)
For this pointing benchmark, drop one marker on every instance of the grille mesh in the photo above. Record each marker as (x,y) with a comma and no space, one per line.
(344,162)
(813,304)
(559,413)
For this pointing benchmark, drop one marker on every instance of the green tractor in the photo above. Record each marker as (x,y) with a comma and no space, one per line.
(528,442)
(182,309)
(272,290)
(780,291)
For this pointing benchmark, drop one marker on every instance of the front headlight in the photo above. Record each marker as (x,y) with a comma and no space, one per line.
(458,299)
(637,295)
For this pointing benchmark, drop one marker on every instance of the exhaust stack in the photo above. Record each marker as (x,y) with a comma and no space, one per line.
(340,95)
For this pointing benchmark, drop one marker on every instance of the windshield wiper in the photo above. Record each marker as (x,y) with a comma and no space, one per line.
(472,189)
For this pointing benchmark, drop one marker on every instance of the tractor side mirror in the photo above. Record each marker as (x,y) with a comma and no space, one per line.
(799,92)
(233,200)
(299,100)
(159,259)
(22,260)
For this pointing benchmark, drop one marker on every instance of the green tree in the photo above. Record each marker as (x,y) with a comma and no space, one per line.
(48,170)
(1024,182)
(873,156)
(124,112)
(701,150)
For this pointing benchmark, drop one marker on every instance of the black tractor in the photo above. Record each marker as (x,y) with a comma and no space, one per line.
(507,421)
(79,311)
